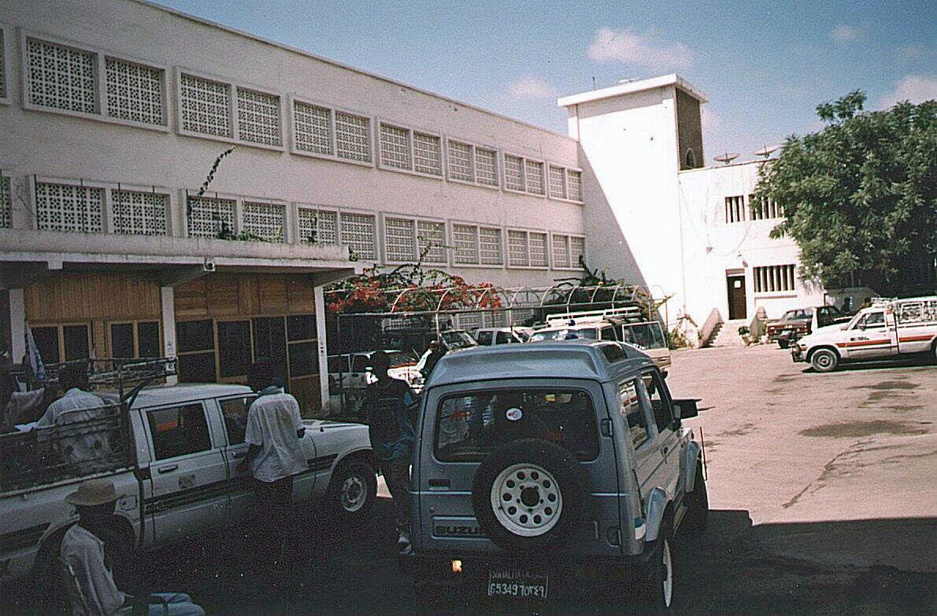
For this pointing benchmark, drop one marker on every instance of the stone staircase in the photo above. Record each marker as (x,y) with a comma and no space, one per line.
(727,334)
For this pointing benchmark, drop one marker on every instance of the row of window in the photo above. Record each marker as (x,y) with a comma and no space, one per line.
(774,278)
(739,208)
(64,78)
(104,208)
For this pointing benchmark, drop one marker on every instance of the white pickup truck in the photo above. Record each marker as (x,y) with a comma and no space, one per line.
(889,328)
(172,453)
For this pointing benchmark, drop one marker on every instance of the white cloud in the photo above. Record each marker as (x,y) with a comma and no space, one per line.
(625,46)
(529,87)
(844,34)
(913,88)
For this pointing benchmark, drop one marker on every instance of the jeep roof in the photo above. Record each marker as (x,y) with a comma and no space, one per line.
(186,392)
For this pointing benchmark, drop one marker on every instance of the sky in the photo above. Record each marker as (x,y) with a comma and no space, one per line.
(764,66)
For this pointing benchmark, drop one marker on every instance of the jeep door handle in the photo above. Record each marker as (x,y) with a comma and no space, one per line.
(666,450)
(167,469)
(240,454)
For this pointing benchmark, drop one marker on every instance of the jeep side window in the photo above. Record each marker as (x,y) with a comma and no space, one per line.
(659,403)
(178,431)
(608,333)
(633,413)
(234,411)
(874,320)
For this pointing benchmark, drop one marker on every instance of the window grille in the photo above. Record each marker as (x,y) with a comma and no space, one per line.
(139,213)
(486,166)
(465,238)
(62,207)
(577,250)
(60,77)
(765,209)
(427,154)
(357,232)
(490,246)
(206,106)
(460,161)
(3,66)
(534,172)
(557,182)
(266,220)
(574,183)
(517,249)
(312,126)
(560,250)
(6,218)
(318,226)
(258,117)
(395,147)
(735,209)
(352,137)
(774,278)
(134,92)
(537,243)
(208,217)
(432,234)
(399,239)
(513,172)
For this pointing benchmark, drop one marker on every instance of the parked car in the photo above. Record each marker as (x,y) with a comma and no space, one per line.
(887,329)
(172,453)
(572,449)
(487,336)
(350,371)
(799,322)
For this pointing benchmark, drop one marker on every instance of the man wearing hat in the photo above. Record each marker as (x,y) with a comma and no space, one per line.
(83,549)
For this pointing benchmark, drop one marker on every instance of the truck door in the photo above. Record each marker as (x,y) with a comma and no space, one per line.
(873,335)
(667,441)
(234,412)
(649,462)
(188,473)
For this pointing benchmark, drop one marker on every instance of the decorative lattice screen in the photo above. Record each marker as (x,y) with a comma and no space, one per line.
(62,207)
(574,181)
(490,246)
(399,239)
(134,92)
(395,147)
(318,226)
(577,249)
(534,177)
(486,166)
(513,172)
(207,217)
(427,154)
(465,238)
(517,249)
(312,126)
(560,250)
(139,213)
(266,220)
(3,76)
(557,182)
(357,232)
(206,106)
(460,161)
(352,137)
(434,234)
(258,117)
(537,243)
(60,77)
(5,201)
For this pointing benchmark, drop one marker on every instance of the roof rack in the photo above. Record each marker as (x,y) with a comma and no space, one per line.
(119,374)
(591,316)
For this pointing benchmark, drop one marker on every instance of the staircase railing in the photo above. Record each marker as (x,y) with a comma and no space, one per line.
(710,327)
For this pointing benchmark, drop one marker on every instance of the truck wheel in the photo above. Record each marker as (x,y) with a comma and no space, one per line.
(824,360)
(352,491)
(697,512)
(659,583)
(528,494)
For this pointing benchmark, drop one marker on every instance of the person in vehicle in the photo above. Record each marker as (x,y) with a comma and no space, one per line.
(83,549)
(77,404)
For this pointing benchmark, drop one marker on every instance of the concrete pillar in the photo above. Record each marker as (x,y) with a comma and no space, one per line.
(319,292)
(167,299)
(17,325)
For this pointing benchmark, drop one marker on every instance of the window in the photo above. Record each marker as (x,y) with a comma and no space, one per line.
(523,175)
(409,150)
(63,207)
(558,182)
(60,77)
(574,181)
(765,209)
(395,147)
(534,175)
(513,173)
(135,339)
(357,232)
(178,431)
(490,246)
(210,217)
(206,106)
(431,239)
(4,71)
(303,351)
(6,209)
(577,250)
(735,209)
(872,320)
(406,239)
(566,251)
(139,213)
(465,239)
(565,184)
(633,413)
(486,167)
(659,403)
(196,344)
(265,220)
(234,348)
(323,131)
(774,278)
(461,161)
(527,249)
(353,137)
(235,411)
(318,226)
(134,92)
(312,127)
(258,117)
(58,343)
(427,154)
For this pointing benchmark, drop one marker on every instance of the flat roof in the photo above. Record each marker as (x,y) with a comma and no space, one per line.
(632,87)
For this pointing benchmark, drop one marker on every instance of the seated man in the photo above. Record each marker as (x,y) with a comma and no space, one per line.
(83,549)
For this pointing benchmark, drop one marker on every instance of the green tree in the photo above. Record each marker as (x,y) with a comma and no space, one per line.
(860,196)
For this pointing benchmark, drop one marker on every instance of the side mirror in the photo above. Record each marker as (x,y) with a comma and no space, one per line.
(686,408)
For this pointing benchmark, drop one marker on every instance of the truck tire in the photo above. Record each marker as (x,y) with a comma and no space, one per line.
(824,360)
(352,491)
(697,512)
(658,590)
(529,494)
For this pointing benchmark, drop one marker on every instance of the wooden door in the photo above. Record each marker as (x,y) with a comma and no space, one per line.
(737,301)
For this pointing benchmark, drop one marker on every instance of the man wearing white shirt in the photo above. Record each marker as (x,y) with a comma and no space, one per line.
(77,405)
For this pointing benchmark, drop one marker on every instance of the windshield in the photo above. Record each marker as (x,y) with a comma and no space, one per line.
(457,339)
(471,425)
(646,335)
(564,334)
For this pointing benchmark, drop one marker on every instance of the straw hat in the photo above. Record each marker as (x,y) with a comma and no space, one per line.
(93,492)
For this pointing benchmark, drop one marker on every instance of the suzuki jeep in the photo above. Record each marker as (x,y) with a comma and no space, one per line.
(546,470)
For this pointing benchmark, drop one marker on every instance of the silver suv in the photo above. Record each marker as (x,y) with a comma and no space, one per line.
(543,469)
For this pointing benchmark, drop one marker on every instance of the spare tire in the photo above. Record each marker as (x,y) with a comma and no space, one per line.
(529,494)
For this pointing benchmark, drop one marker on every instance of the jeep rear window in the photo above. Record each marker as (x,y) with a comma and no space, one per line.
(470,426)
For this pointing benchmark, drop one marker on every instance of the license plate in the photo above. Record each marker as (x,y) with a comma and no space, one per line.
(517,583)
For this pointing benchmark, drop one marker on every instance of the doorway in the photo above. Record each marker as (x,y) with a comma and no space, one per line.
(737,302)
